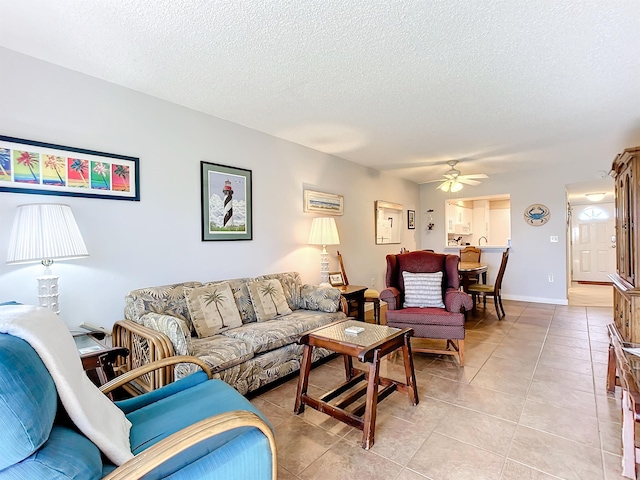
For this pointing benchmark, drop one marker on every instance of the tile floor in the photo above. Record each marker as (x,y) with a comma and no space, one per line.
(529,404)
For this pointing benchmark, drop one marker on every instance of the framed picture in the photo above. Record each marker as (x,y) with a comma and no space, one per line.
(27,166)
(411,219)
(326,203)
(226,202)
(336,279)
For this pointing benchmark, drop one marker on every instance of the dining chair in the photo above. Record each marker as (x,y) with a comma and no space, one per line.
(472,255)
(370,295)
(494,290)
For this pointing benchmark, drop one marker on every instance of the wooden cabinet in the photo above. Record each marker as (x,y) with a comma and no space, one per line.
(626,288)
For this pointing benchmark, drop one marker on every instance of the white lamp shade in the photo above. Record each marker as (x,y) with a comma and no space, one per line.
(45,232)
(324,232)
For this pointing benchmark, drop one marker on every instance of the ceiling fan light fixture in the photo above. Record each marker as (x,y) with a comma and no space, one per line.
(595,197)
(456,186)
(445,186)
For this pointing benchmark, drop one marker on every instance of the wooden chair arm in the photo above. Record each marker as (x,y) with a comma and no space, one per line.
(175,444)
(344,305)
(150,367)
(145,346)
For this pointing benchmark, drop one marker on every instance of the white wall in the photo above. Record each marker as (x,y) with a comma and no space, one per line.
(533,257)
(157,240)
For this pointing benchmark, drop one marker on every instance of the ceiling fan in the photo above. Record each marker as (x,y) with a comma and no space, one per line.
(453,181)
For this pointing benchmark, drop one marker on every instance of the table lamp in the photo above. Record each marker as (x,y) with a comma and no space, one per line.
(44,233)
(324,232)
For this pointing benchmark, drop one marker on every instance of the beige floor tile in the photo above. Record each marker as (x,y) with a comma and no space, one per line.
(407,474)
(426,414)
(555,455)
(566,363)
(395,439)
(443,458)
(437,387)
(613,467)
(564,351)
(275,414)
(562,422)
(517,471)
(285,474)
(517,367)
(451,370)
(502,382)
(501,405)
(579,381)
(299,444)
(566,341)
(346,460)
(478,429)
(562,396)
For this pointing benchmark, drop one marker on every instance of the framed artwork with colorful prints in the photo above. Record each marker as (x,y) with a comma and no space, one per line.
(28,166)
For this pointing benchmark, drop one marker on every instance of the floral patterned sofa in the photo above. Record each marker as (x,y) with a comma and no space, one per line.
(246,347)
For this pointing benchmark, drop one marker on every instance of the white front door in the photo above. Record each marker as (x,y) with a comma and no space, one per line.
(593,242)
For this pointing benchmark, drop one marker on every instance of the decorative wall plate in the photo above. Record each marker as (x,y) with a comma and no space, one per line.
(537,214)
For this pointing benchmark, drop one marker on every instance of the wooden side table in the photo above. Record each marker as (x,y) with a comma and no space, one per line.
(369,346)
(354,293)
(97,358)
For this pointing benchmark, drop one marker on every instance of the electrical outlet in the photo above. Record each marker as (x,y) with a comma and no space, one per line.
(550,278)
(373,281)
(553,239)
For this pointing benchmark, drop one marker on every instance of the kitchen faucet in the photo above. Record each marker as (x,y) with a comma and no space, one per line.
(480,240)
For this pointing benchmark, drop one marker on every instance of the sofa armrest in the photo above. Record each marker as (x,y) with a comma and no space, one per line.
(181,441)
(392,296)
(457,301)
(145,346)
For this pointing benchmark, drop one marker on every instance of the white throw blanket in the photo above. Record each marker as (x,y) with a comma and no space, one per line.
(92,412)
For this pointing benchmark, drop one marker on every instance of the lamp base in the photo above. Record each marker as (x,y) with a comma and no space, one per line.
(48,292)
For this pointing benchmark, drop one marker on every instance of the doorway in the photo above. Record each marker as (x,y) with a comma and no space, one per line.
(592,243)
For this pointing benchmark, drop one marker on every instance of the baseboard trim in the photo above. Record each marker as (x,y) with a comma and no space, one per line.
(521,298)
(585,282)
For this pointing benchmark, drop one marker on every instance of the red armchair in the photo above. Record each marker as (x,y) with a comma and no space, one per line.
(434,322)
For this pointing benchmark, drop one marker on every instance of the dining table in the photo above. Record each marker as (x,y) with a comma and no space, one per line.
(469,271)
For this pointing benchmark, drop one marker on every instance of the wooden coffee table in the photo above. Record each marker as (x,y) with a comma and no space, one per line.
(369,347)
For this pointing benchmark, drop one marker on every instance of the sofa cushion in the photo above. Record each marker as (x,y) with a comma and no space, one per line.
(220,352)
(212,308)
(66,455)
(243,299)
(321,299)
(291,284)
(268,299)
(266,336)
(423,290)
(28,400)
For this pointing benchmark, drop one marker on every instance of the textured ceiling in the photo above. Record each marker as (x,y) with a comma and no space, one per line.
(401,86)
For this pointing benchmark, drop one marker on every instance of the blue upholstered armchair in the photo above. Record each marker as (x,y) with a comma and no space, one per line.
(193,428)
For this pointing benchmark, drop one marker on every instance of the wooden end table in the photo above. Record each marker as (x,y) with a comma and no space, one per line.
(98,358)
(369,347)
(354,293)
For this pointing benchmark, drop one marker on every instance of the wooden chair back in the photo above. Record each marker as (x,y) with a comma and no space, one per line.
(470,254)
(503,267)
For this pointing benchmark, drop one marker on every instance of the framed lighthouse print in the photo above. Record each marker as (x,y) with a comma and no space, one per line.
(226,202)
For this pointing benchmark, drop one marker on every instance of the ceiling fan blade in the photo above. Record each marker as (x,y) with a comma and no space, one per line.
(469,181)
(438,180)
(476,175)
